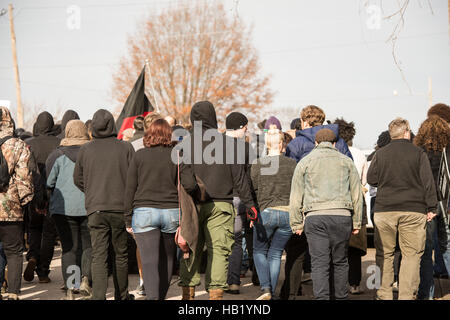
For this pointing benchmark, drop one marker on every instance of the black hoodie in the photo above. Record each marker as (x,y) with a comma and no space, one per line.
(42,145)
(101,166)
(220,179)
(68,115)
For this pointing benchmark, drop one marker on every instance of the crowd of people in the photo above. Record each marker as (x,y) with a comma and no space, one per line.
(213,204)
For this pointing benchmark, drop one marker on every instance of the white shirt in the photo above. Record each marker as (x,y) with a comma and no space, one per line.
(361,164)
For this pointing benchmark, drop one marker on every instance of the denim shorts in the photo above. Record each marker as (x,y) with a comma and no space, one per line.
(148,219)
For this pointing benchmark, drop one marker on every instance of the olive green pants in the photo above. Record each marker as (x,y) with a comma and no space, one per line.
(216,223)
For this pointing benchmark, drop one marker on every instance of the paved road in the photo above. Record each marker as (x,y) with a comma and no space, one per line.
(51,291)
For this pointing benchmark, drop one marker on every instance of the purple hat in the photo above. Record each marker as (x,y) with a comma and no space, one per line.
(273,120)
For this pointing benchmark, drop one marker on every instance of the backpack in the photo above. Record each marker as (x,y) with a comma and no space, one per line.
(4,171)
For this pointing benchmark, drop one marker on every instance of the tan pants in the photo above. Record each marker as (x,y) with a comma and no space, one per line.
(411,229)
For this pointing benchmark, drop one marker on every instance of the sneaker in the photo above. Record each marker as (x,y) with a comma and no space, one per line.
(44,279)
(267,295)
(28,274)
(355,290)
(395,286)
(140,290)
(85,288)
(233,289)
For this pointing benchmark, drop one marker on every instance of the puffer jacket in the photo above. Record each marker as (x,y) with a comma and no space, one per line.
(325,179)
(17,155)
(304,142)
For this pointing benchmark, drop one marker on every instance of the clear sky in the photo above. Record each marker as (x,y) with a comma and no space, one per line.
(329,53)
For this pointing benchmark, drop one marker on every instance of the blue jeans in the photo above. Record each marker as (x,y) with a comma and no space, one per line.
(271,233)
(446,254)
(148,219)
(2,264)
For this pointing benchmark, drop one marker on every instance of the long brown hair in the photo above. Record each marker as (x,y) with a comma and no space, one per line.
(433,135)
(159,134)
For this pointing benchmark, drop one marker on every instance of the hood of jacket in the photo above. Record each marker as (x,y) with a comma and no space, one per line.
(204,111)
(310,133)
(103,124)
(6,123)
(68,115)
(70,152)
(44,124)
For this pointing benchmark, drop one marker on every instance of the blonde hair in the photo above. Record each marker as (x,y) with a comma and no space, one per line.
(398,127)
(148,120)
(274,140)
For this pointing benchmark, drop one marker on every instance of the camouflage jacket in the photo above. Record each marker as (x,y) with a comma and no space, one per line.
(18,156)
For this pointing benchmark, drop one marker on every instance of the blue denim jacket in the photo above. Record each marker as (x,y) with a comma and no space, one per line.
(325,179)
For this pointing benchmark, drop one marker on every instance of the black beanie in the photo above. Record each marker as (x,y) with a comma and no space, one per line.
(236,120)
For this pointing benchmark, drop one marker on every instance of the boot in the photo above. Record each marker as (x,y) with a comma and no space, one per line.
(188,293)
(215,294)
(85,288)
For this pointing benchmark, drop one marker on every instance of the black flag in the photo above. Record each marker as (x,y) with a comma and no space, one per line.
(137,104)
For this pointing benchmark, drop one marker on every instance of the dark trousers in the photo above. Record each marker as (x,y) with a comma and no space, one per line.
(11,236)
(42,241)
(107,228)
(296,252)
(235,259)
(328,237)
(2,264)
(158,252)
(354,266)
(72,231)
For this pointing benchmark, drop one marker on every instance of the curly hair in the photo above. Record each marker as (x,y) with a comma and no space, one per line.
(313,115)
(346,129)
(440,109)
(433,135)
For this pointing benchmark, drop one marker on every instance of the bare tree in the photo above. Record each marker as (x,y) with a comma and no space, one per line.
(399,15)
(34,109)
(196,52)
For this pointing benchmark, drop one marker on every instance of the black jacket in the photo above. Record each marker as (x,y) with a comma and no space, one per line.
(42,144)
(273,190)
(101,167)
(152,180)
(220,178)
(435,163)
(402,173)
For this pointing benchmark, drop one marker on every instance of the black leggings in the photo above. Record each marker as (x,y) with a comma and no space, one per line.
(158,252)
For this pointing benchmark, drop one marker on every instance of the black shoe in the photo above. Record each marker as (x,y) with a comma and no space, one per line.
(28,274)
(255,279)
(233,289)
(130,297)
(44,279)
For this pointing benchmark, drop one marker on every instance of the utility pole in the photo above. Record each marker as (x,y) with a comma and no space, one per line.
(16,68)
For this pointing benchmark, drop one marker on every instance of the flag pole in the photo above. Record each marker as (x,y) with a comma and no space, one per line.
(151,82)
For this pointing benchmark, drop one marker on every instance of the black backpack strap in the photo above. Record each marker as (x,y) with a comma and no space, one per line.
(4,139)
